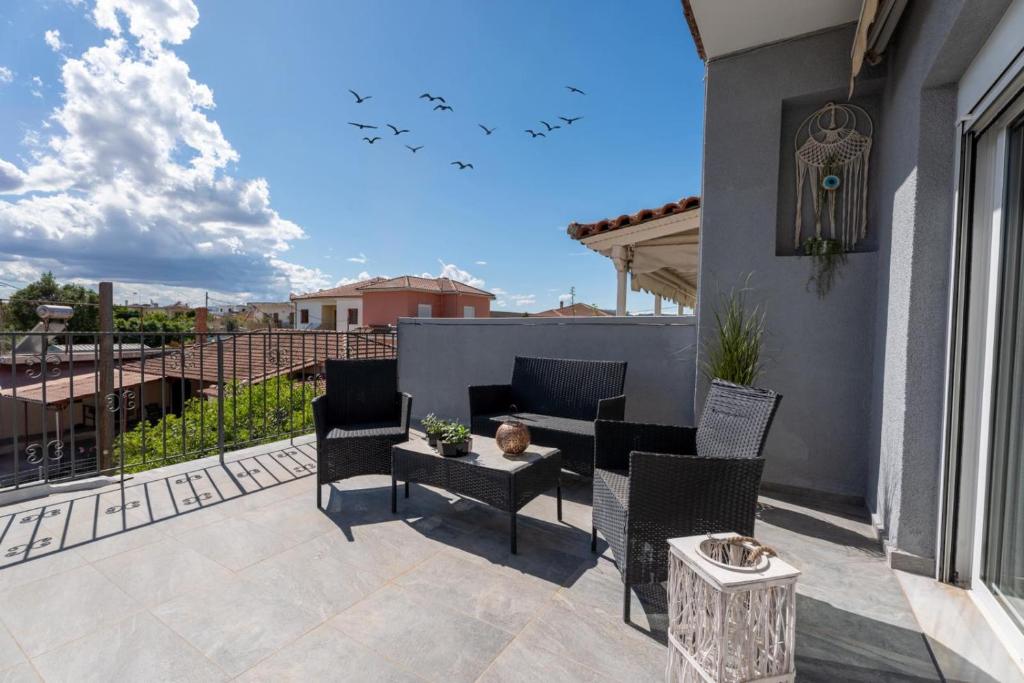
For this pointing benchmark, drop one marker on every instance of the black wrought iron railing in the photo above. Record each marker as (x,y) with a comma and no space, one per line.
(87,404)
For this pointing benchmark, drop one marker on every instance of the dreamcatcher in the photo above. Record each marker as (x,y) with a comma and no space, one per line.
(832,162)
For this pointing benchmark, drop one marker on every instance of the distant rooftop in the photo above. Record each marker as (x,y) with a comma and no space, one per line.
(438,285)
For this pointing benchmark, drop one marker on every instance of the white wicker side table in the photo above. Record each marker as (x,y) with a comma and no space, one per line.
(725,624)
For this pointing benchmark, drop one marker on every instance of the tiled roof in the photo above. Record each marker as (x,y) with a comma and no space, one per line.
(575,311)
(351,289)
(578,231)
(442,285)
(691,21)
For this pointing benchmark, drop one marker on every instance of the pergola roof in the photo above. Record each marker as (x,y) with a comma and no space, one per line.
(660,247)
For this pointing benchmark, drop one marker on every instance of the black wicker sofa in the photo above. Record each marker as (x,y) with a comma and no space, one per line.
(558,399)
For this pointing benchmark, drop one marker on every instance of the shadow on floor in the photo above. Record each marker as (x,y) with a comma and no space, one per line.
(42,531)
(813,527)
(547,549)
(836,645)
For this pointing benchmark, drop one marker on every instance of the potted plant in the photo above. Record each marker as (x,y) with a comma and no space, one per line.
(734,351)
(434,428)
(455,440)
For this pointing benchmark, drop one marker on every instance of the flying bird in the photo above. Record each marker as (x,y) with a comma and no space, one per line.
(487,130)
(549,126)
(461,165)
(361,126)
(398,131)
(428,96)
(568,121)
(534,134)
(373,139)
(576,90)
(443,107)
(359,100)
(414,149)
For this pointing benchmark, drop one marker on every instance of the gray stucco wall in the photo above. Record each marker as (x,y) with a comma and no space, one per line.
(862,371)
(818,351)
(439,359)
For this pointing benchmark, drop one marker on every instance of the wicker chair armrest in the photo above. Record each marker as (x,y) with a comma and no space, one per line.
(321,417)
(406,403)
(613,408)
(615,440)
(489,398)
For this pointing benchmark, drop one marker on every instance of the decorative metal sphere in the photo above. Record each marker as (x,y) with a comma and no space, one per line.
(512,437)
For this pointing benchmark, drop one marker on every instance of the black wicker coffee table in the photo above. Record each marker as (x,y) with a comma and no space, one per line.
(485,474)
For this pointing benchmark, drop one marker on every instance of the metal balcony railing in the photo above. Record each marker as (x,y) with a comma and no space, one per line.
(85,404)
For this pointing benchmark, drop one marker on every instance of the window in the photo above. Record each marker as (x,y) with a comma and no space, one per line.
(304,316)
(423,311)
(353,316)
(468,312)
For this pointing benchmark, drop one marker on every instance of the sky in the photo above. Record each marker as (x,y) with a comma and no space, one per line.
(179,147)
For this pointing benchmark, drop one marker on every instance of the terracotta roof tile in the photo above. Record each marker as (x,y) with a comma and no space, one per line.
(351,289)
(578,231)
(442,285)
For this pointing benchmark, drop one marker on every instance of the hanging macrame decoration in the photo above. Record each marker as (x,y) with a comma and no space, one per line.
(832,149)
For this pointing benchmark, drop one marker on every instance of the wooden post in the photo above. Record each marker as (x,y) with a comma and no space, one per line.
(657,305)
(105,419)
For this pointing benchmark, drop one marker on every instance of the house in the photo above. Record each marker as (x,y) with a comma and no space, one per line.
(267,313)
(380,302)
(901,380)
(573,311)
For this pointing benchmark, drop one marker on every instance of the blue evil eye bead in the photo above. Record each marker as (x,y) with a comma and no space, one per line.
(831,182)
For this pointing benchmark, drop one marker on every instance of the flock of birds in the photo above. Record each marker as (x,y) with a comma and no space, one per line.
(371,139)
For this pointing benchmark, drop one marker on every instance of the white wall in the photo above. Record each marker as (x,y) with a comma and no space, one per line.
(343,305)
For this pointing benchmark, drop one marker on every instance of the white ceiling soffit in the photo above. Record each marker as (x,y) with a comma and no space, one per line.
(728,26)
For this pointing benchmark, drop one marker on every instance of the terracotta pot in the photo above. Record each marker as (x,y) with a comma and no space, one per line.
(512,437)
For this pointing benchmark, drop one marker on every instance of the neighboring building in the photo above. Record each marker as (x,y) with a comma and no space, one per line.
(573,311)
(902,383)
(380,302)
(267,313)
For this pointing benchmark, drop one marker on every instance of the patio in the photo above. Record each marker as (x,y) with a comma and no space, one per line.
(212,573)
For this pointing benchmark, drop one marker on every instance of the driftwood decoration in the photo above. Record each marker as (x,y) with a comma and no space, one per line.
(833,146)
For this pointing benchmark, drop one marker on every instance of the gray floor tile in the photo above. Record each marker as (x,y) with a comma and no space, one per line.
(519,664)
(10,652)
(20,673)
(315,576)
(162,571)
(500,598)
(325,654)
(423,635)
(19,572)
(236,543)
(597,639)
(237,625)
(138,648)
(45,614)
(295,518)
(387,548)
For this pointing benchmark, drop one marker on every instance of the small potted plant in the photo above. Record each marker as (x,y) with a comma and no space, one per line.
(434,427)
(455,440)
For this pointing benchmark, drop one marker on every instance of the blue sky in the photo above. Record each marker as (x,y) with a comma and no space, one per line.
(288,196)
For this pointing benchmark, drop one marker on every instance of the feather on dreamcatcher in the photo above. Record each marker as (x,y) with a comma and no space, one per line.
(833,146)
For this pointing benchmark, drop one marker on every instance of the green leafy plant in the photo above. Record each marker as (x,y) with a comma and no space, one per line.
(826,258)
(433,425)
(455,432)
(735,352)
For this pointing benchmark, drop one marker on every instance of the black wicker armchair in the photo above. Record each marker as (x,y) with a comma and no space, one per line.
(558,400)
(656,482)
(358,419)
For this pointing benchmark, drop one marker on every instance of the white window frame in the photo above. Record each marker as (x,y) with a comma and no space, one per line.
(424,311)
(469,311)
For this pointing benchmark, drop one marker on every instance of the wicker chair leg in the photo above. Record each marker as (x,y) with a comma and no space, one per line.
(625,601)
(593,538)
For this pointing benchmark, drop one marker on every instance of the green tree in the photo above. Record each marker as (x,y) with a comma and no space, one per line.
(151,324)
(253,414)
(21,313)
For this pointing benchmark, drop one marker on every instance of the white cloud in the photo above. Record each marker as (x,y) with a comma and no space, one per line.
(452,271)
(6,75)
(37,81)
(134,175)
(565,297)
(153,22)
(364,275)
(358,259)
(523,300)
(481,263)
(52,38)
